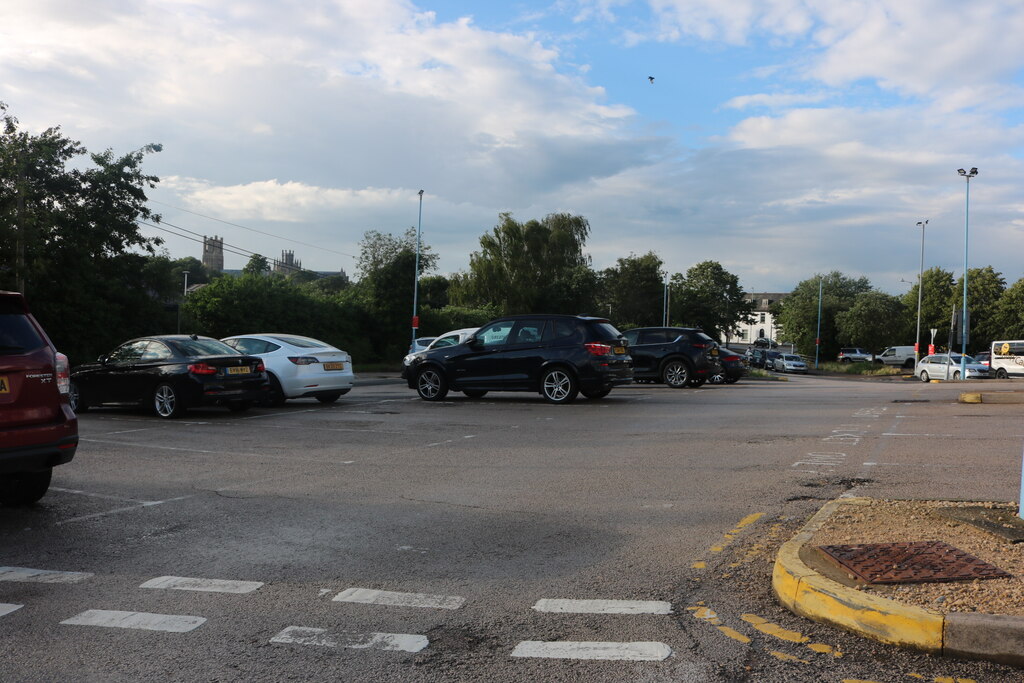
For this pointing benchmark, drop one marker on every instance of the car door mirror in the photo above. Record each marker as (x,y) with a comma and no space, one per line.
(102,360)
(474,343)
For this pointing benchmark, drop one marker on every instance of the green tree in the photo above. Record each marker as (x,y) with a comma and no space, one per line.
(633,291)
(936,307)
(874,321)
(709,297)
(257,265)
(1009,315)
(985,288)
(528,267)
(797,314)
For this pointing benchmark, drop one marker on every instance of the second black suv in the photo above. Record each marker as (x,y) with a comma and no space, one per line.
(677,356)
(559,356)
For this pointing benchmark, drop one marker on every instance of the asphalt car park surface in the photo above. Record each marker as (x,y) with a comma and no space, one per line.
(388,538)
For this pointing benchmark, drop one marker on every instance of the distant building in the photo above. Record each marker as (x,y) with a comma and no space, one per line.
(213,254)
(763,324)
(287,265)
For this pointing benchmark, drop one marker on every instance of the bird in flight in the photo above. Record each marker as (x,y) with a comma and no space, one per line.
(651,79)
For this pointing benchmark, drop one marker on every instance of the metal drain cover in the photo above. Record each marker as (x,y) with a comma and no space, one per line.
(918,562)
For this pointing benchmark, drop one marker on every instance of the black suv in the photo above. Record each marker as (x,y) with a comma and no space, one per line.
(677,356)
(556,355)
(38,429)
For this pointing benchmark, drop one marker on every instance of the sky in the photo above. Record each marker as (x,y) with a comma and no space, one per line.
(780,138)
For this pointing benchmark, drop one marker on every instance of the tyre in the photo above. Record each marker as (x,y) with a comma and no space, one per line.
(474,393)
(732,380)
(558,385)
(956,375)
(924,376)
(695,383)
(166,402)
(75,399)
(594,395)
(329,398)
(239,406)
(275,395)
(909,363)
(676,373)
(1002,374)
(431,384)
(24,488)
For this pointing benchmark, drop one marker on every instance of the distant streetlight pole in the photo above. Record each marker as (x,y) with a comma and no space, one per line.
(184,293)
(416,277)
(664,312)
(963,319)
(817,339)
(920,288)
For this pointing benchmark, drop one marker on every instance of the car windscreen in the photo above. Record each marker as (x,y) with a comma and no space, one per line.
(201,347)
(301,342)
(17,333)
(606,331)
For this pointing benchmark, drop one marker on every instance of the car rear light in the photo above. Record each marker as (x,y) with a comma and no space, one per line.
(731,359)
(598,349)
(701,346)
(303,360)
(202,369)
(60,365)
(260,367)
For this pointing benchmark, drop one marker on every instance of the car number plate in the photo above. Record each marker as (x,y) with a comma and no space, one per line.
(334,366)
(5,387)
(619,350)
(714,352)
(240,370)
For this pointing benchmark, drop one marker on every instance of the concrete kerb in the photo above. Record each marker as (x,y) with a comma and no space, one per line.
(992,397)
(805,592)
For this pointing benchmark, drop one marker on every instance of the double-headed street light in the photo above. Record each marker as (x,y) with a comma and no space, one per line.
(967,223)
(920,288)
(416,276)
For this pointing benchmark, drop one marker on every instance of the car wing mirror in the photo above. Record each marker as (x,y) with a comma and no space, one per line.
(474,343)
(103,359)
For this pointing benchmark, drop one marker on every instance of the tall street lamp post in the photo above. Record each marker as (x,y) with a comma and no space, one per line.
(920,288)
(184,293)
(967,222)
(416,276)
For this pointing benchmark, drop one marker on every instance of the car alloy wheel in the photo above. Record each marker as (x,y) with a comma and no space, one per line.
(956,375)
(558,386)
(924,376)
(75,399)
(676,374)
(166,403)
(431,385)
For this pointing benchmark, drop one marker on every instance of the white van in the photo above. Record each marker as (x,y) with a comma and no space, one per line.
(897,355)
(1007,359)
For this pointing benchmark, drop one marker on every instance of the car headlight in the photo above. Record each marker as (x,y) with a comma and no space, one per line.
(408,359)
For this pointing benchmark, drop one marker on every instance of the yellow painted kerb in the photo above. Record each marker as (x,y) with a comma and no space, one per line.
(970,398)
(807,593)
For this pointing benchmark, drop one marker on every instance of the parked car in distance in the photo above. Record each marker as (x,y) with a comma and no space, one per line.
(852,354)
(676,356)
(945,366)
(1007,359)
(789,362)
(38,428)
(447,339)
(765,343)
(420,344)
(170,374)
(558,356)
(984,357)
(731,366)
(297,366)
(900,356)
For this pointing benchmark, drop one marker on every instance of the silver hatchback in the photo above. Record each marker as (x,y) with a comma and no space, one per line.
(946,366)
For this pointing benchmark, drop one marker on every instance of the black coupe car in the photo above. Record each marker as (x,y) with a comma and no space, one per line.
(170,373)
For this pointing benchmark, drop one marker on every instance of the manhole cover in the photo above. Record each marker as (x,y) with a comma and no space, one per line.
(918,562)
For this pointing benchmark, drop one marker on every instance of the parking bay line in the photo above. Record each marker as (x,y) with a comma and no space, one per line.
(304,635)
(603,606)
(184,583)
(637,651)
(7,607)
(173,623)
(369,596)
(26,575)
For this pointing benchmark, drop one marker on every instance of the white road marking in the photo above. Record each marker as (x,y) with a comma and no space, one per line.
(7,607)
(104,496)
(26,575)
(183,583)
(638,651)
(303,635)
(173,623)
(374,597)
(941,436)
(604,606)
(143,504)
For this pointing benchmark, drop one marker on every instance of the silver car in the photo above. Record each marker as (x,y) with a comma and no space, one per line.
(790,362)
(946,366)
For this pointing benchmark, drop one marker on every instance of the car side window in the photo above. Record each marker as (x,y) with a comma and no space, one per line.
(155,351)
(246,345)
(527,332)
(654,337)
(631,337)
(496,334)
(450,340)
(128,353)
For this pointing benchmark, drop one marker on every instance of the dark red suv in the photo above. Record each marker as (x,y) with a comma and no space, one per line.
(38,429)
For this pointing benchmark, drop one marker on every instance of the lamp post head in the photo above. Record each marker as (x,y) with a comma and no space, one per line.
(923,223)
(968,174)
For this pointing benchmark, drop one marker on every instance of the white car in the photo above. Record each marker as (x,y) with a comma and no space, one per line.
(298,367)
(790,362)
(420,344)
(943,366)
(447,339)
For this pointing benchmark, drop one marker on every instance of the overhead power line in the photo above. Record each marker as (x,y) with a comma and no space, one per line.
(261,232)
